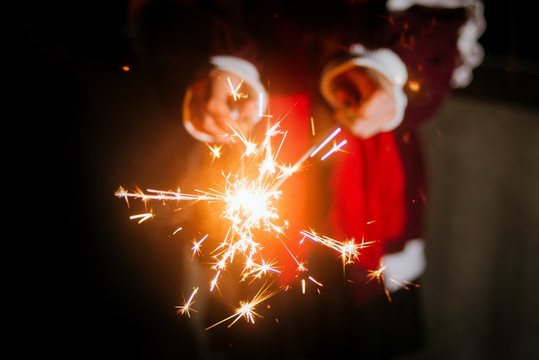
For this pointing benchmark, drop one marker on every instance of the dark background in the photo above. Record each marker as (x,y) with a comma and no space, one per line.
(73,132)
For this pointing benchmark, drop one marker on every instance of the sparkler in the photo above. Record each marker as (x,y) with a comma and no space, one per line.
(249,203)
(247,199)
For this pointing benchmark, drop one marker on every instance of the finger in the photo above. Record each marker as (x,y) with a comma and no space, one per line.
(379,105)
(366,128)
(345,92)
(216,119)
(361,81)
(363,129)
(247,113)
(210,127)
(221,114)
(347,118)
(346,98)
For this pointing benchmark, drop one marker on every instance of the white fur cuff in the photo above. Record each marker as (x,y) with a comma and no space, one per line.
(385,62)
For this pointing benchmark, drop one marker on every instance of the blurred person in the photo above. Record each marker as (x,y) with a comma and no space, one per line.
(377,68)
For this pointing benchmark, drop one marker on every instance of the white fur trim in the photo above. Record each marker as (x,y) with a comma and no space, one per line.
(471,52)
(407,265)
(385,62)
(399,5)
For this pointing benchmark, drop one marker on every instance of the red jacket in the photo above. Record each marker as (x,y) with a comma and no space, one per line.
(376,190)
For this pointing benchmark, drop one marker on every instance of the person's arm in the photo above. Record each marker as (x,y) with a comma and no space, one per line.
(470,51)
(399,73)
(366,90)
(197,54)
(229,98)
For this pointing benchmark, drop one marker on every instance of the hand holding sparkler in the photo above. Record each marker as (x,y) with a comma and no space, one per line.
(218,105)
(364,100)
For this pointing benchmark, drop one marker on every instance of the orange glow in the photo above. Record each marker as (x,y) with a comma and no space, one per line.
(414,86)
(247,199)
(126,68)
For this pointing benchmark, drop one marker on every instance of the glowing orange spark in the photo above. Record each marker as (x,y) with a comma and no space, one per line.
(141,217)
(257,270)
(178,229)
(247,203)
(247,308)
(378,274)
(215,151)
(155,195)
(234,90)
(316,281)
(213,283)
(186,307)
(247,200)
(250,146)
(402,285)
(196,245)
(349,249)
(414,86)
(301,266)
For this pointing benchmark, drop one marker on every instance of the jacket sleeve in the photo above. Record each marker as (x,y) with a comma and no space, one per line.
(182,42)
(424,48)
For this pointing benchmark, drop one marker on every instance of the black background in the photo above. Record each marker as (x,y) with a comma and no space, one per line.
(66,104)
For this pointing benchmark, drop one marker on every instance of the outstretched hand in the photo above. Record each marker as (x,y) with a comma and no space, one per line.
(221,104)
(365,101)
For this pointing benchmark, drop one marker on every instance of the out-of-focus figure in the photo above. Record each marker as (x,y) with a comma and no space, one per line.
(377,68)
